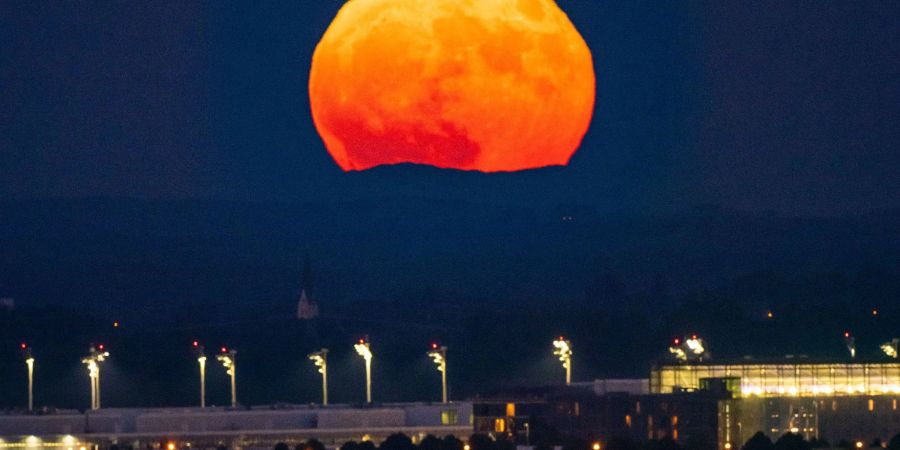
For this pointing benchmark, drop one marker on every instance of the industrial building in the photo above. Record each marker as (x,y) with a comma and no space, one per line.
(209,428)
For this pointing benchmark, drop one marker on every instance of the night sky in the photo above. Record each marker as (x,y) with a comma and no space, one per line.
(777,106)
(159,166)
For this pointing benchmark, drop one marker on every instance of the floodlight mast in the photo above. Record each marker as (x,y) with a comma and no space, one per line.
(363,349)
(850,342)
(563,349)
(320,359)
(439,356)
(93,361)
(228,359)
(891,348)
(200,352)
(29,364)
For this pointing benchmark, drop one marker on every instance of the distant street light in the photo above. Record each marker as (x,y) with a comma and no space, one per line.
(200,353)
(227,358)
(850,342)
(96,356)
(320,359)
(363,349)
(439,355)
(29,363)
(563,349)
(891,348)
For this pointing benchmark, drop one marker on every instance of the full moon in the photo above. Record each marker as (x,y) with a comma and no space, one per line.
(486,85)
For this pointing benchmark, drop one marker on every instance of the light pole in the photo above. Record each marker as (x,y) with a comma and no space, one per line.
(320,358)
(96,356)
(563,349)
(227,358)
(200,352)
(850,342)
(363,349)
(439,356)
(890,348)
(29,363)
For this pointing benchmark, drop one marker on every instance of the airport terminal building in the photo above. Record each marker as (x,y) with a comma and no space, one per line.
(846,401)
(246,429)
(723,404)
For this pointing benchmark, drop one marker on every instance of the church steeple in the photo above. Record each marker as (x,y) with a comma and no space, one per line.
(306,307)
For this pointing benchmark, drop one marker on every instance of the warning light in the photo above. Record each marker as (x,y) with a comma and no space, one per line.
(100,347)
(224,349)
(195,344)
(846,334)
(677,341)
(434,345)
(23,346)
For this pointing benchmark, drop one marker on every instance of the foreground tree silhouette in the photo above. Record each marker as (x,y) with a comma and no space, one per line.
(665,443)
(894,443)
(759,441)
(450,442)
(430,443)
(397,441)
(621,444)
(791,441)
(481,442)
(281,446)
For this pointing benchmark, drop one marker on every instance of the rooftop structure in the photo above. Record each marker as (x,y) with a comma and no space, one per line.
(787,378)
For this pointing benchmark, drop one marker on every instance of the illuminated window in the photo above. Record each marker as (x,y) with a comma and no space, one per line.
(628,420)
(894,404)
(510,410)
(834,405)
(449,417)
(500,425)
(871,404)
(637,407)
(674,421)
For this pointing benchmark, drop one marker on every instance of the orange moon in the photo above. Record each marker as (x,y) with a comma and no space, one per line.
(486,85)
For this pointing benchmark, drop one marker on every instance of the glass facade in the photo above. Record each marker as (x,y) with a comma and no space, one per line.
(784,379)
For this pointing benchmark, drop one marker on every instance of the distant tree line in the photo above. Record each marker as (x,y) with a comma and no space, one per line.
(759,441)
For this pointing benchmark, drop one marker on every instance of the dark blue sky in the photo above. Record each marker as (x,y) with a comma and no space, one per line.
(772,106)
